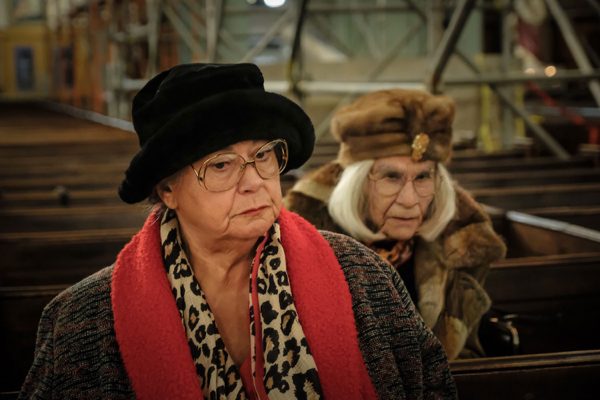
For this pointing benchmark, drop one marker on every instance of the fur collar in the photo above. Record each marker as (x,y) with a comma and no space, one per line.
(468,240)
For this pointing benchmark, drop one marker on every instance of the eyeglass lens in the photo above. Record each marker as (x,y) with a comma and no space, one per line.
(224,171)
(391,184)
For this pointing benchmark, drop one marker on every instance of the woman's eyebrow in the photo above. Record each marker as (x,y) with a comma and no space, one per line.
(387,168)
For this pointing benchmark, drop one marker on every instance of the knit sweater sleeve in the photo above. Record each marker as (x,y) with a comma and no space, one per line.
(437,379)
(39,381)
(77,355)
(389,328)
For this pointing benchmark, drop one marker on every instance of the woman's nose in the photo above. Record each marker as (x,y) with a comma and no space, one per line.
(407,196)
(250,179)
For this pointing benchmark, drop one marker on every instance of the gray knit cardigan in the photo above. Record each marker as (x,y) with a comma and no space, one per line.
(77,354)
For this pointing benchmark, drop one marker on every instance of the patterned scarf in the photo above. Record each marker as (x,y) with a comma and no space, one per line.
(392,251)
(279,349)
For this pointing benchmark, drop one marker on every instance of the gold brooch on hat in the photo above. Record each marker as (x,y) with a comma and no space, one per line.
(419,146)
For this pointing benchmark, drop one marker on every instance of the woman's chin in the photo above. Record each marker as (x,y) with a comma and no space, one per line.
(254,229)
(401,233)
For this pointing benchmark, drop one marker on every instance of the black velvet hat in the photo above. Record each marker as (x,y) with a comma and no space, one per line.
(192,110)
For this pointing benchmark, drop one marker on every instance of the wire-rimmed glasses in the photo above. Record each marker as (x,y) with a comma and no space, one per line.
(223,171)
(390,183)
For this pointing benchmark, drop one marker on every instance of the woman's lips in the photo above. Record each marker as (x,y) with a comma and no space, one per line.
(404,219)
(253,211)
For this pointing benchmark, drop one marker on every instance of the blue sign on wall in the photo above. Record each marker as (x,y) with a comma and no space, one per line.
(24,68)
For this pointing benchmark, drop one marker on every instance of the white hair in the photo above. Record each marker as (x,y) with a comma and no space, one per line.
(347,204)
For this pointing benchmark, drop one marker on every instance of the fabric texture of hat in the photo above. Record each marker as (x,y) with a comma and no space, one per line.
(193,110)
(388,123)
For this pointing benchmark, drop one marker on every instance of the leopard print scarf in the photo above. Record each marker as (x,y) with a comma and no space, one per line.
(289,369)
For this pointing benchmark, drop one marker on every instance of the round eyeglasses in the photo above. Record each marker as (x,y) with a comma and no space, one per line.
(223,171)
(391,183)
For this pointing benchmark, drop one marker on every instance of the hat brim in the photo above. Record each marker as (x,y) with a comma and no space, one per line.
(213,124)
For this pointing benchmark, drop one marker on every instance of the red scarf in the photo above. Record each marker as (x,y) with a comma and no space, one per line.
(152,339)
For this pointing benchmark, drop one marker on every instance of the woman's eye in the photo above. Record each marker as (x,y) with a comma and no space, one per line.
(220,165)
(423,176)
(263,155)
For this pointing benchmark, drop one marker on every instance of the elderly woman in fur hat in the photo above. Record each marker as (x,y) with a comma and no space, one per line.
(390,190)
(223,294)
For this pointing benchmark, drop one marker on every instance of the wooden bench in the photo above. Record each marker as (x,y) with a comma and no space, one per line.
(585,216)
(532,197)
(72,218)
(60,170)
(52,198)
(555,376)
(81,192)
(35,258)
(20,308)
(513,165)
(481,180)
(82,181)
(550,281)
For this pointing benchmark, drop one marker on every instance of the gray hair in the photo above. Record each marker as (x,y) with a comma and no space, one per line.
(155,203)
(347,204)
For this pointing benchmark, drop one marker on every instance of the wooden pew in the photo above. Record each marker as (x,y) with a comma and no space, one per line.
(35,258)
(20,307)
(528,197)
(75,146)
(52,198)
(477,155)
(481,180)
(585,216)
(554,376)
(513,165)
(83,181)
(550,281)
(60,170)
(69,219)
(42,193)
(107,155)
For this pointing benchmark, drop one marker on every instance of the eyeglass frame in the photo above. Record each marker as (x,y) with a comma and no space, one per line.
(243,167)
(374,179)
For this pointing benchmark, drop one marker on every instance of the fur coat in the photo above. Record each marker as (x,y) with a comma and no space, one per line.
(450,272)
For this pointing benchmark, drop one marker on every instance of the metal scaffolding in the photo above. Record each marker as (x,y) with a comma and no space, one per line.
(200,27)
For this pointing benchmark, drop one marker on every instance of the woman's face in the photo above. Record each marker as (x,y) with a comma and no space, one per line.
(246,211)
(399,215)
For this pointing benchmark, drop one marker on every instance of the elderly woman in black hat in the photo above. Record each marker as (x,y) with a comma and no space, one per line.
(390,190)
(223,294)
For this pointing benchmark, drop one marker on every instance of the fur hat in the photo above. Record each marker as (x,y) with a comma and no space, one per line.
(395,122)
(192,110)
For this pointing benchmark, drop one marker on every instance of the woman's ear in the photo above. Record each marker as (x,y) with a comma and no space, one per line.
(167,196)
